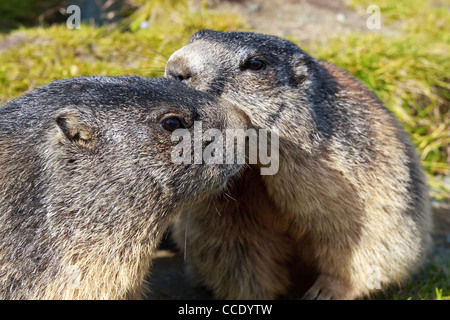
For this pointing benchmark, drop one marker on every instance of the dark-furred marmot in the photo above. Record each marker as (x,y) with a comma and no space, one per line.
(348,211)
(88,185)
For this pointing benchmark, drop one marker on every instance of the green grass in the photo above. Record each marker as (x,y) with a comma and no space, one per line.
(38,55)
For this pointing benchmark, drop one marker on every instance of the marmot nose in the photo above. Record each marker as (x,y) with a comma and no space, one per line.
(179,74)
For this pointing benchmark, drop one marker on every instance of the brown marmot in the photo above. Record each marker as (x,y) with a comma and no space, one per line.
(348,211)
(88,185)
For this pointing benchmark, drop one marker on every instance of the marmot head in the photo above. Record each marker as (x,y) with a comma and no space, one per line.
(97,151)
(268,77)
(88,183)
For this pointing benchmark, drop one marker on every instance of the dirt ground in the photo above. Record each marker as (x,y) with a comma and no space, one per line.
(304,21)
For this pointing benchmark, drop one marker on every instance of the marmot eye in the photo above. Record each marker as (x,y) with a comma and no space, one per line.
(171,124)
(255,65)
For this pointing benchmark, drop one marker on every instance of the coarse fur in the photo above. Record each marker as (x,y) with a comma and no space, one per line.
(348,211)
(88,187)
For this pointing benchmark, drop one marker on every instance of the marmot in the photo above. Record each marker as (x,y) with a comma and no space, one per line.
(87,184)
(348,211)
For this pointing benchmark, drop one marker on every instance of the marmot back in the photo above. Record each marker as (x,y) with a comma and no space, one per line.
(88,186)
(349,204)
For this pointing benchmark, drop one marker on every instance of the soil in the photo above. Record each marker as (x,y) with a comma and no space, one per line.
(304,20)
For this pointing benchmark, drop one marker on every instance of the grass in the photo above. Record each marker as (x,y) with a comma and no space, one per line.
(38,55)
(409,71)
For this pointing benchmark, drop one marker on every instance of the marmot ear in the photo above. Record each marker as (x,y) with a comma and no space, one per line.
(75,130)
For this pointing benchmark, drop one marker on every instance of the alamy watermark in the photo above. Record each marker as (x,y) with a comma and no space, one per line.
(237,146)
(373,281)
(74,20)
(374,21)
(73,274)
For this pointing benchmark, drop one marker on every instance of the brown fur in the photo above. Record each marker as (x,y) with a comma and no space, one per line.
(258,245)
(349,204)
(88,186)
